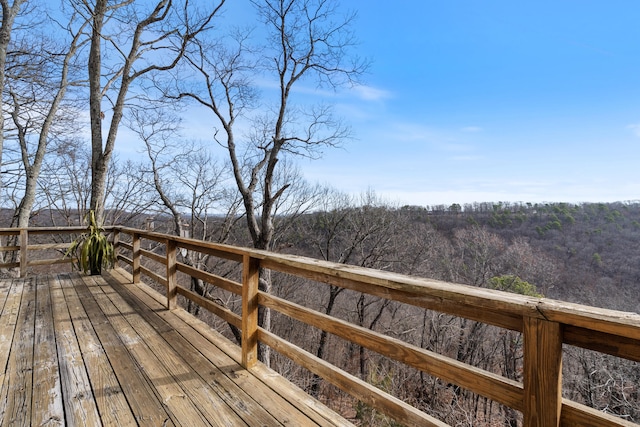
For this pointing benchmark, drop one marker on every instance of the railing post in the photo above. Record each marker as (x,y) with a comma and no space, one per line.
(250,279)
(24,259)
(542,372)
(116,242)
(135,244)
(171,274)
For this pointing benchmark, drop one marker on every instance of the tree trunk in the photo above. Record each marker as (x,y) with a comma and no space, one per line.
(33,170)
(9,14)
(98,166)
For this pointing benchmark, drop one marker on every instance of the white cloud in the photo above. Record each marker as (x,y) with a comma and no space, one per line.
(472,129)
(456,147)
(467,158)
(369,93)
(635,128)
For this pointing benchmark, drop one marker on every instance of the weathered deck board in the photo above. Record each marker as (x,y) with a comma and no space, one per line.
(141,397)
(8,321)
(110,400)
(290,406)
(18,381)
(48,409)
(79,350)
(177,385)
(79,406)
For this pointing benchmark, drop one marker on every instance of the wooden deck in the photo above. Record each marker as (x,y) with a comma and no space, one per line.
(79,350)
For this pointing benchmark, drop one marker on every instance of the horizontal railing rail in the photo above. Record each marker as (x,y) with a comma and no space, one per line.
(21,236)
(546,325)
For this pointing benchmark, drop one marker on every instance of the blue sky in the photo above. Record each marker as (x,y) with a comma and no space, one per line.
(485,101)
(493,101)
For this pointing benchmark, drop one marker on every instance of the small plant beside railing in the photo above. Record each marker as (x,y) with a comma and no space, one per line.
(92,249)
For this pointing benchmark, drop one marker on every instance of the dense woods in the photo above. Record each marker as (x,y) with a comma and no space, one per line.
(96,65)
(576,252)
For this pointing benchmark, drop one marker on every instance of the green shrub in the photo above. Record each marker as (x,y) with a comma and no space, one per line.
(92,249)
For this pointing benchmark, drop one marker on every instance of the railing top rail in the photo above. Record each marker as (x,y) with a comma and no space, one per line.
(427,292)
(546,324)
(42,230)
(501,308)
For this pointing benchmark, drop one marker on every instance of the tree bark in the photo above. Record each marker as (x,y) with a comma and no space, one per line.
(98,164)
(32,170)
(168,46)
(9,13)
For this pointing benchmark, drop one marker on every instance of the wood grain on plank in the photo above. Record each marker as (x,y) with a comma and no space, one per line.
(112,405)
(8,323)
(19,379)
(182,410)
(144,403)
(194,387)
(48,407)
(282,399)
(188,346)
(80,406)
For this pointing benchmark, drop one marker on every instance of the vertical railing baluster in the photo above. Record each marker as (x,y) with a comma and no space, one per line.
(116,243)
(135,243)
(24,258)
(171,274)
(542,372)
(250,279)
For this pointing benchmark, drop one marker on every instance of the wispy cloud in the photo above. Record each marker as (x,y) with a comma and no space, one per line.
(635,128)
(472,129)
(369,93)
(413,132)
(467,158)
(457,147)
(362,92)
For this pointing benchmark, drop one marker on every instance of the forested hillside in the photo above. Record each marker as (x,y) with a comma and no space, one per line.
(585,253)
(593,247)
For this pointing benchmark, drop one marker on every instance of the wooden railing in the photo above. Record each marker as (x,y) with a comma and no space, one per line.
(20,236)
(545,326)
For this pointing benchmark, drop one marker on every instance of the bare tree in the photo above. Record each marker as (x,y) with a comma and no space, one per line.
(360,231)
(189,185)
(128,195)
(9,13)
(141,41)
(37,84)
(65,182)
(306,40)
(304,43)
